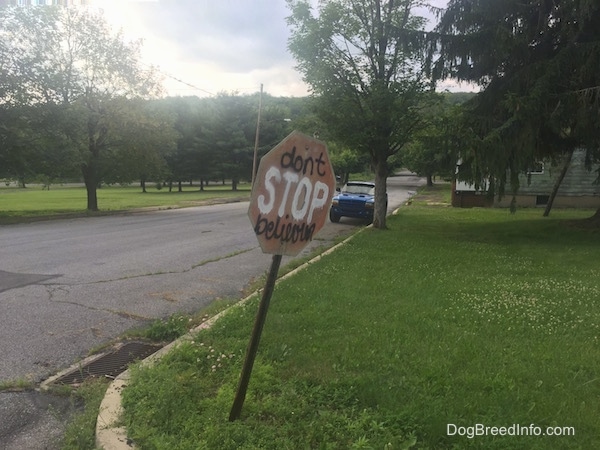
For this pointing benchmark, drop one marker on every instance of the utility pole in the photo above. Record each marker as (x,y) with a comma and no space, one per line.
(254,161)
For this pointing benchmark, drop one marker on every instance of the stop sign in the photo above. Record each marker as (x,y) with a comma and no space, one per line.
(291,194)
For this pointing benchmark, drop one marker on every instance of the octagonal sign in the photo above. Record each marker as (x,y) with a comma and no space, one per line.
(291,194)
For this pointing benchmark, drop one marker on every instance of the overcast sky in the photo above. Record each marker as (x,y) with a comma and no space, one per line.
(209,46)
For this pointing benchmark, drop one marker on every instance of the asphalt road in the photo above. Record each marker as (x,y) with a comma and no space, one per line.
(67,286)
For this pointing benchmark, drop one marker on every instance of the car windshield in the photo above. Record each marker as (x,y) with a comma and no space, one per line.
(365,189)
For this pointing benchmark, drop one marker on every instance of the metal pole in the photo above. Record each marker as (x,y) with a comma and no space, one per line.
(254,160)
(259,322)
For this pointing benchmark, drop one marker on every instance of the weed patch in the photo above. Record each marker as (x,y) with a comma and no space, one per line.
(80,432)
(169,329)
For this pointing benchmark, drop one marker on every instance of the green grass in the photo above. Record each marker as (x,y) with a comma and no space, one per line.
(452,316)
(80,433)
(17,204)
(19,384)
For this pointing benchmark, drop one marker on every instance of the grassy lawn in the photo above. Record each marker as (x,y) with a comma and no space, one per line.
(451,318)
(18,204)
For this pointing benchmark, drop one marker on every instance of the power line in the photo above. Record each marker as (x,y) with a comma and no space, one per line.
(185,82)
(179,80)
(192,86)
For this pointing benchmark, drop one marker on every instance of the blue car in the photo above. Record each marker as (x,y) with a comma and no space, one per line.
(356,199)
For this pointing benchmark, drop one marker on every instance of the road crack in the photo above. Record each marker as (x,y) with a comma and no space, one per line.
(52,290)
(171,272)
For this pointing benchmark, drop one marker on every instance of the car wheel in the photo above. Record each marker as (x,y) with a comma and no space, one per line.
(334,217)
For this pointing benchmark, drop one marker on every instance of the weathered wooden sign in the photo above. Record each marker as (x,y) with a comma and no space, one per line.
(291,195)
(288,206)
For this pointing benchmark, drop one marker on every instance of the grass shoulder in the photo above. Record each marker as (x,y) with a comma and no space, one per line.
(34,203)
(454,316)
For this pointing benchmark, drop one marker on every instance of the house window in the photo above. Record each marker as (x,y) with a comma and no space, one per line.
(537,168)
(541,200)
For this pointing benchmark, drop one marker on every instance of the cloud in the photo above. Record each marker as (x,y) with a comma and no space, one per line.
(221,45)
(208,46)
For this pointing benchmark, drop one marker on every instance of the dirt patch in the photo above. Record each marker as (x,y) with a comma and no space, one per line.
(436,195)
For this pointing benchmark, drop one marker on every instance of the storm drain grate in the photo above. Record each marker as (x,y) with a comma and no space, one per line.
(111,364)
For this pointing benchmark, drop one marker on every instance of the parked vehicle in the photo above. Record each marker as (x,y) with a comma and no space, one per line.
(356,199)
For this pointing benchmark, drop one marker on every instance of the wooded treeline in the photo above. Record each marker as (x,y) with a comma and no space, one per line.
(77,104)
(76,101)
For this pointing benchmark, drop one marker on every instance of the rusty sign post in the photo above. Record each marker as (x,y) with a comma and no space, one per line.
(288,206)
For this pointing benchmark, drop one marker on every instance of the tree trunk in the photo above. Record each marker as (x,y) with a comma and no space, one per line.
(430,180)
(234,184)
(596,218)
(380,213)
(92,198)
(558,182)
(91,185)
(179,186)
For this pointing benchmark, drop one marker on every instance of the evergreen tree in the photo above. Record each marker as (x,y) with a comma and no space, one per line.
(538,63)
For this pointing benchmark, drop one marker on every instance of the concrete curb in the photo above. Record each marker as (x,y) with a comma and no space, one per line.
(110,433)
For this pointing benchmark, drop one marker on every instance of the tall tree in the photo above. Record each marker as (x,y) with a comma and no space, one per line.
(537,62)
(362,60)
(15,145)
(231,134)
(346,161)
(434,150)
(213,132)
(185,162)
(70,61)
(277,117)
(146,130)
